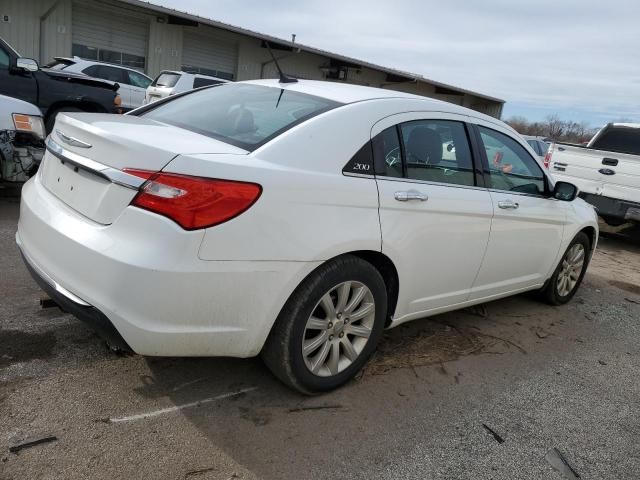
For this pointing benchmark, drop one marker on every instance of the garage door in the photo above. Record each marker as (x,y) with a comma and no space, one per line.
(110,35)
(207,54)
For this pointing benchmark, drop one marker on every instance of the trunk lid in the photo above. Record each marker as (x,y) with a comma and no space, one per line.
(87,152)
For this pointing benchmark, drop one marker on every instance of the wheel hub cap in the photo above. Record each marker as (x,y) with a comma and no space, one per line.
(338,329)
(572,265)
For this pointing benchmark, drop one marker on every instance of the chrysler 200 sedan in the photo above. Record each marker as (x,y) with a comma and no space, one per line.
(296,221)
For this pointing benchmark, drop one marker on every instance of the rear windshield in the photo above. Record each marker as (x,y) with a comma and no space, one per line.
(619,139)
(166,80)
(243,115)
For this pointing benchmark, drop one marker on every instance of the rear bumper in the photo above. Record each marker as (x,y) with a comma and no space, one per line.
(613,208)
(77,307)
(142,276)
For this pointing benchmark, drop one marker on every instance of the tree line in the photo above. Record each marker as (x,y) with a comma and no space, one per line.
(554,128)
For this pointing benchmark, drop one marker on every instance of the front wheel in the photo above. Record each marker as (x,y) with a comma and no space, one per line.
(565,281)
(329,327)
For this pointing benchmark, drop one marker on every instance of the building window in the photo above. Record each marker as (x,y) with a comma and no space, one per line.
(207,71)
(108,56)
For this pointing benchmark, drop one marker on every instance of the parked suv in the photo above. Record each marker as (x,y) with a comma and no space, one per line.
(133,84)
(171,82)
(54,91)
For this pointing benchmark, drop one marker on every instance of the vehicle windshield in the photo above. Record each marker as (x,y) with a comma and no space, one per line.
(166,80)
(243,115)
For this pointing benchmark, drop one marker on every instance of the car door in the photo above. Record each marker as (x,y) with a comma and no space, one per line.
(113,74)
(138,84)
(527,225)
(434,215)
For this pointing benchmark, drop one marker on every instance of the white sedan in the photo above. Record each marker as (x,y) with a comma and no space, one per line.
(296,221)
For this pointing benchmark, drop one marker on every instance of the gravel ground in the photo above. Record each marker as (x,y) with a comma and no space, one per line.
(538,377)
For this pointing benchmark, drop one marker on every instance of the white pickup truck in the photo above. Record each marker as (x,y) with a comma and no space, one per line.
(607,171)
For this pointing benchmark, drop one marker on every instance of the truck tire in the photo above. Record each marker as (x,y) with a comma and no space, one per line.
(51,118)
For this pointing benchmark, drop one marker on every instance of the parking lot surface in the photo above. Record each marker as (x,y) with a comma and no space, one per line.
(484,393)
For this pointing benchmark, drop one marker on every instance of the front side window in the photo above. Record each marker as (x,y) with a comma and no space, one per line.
(106,73)
(243,115)
(511,167)
(437,151)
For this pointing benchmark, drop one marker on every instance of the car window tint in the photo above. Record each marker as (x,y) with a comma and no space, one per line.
(387,153)
(619,139)
(437,151)
(137,80)
(534,144)
(203,82)
(511,167)
(166,80)
(106,73)
(240,114)
(4,59)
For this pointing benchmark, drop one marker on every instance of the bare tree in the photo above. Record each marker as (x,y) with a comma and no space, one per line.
(554,129)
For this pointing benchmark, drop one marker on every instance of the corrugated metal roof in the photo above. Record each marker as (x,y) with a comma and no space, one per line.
(305,48)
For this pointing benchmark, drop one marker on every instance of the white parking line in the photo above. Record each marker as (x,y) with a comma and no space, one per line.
(162,411)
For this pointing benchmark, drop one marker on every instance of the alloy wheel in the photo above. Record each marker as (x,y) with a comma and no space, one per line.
(572,265)
(338,329)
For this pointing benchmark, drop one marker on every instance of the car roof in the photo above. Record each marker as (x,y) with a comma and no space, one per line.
(348,93)
(98,62)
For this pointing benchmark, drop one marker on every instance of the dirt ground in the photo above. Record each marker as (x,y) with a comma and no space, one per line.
(493,392)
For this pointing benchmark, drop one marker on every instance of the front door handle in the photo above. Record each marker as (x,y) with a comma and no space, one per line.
(410,195)
(508,204)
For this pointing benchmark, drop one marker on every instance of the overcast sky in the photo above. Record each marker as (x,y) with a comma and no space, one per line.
(577,58)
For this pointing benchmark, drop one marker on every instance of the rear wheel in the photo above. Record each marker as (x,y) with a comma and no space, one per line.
(565,281)
(329,327)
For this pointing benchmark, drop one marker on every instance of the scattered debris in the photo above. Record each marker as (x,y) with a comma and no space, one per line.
(557,461)
(194,473)
(541,333)
(16,448)
(47,302)
(497,437)
(602,362)
(315,407)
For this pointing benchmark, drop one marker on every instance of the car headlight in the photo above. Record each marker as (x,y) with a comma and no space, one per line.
(29,123)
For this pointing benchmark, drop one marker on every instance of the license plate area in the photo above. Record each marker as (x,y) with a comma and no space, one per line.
(86,192)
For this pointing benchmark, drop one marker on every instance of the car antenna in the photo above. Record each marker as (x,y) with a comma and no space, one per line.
(283,77)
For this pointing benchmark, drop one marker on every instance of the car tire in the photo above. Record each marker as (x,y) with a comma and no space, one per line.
(307,321)
(51,118)
(560,288)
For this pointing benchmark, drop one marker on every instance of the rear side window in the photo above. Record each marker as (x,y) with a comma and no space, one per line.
(166,80)
(203,82)
(107,73)
(240,114)
(534,144)
(619,139)
(4,59)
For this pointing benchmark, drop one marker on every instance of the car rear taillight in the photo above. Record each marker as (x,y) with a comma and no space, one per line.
(194,202)
(547,156)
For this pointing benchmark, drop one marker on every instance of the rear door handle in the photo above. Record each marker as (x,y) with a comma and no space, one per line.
(612,162)
(508,204)
(410,195)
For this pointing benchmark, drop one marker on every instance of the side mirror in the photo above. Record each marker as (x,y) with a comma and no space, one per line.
(565,191)
(28,64)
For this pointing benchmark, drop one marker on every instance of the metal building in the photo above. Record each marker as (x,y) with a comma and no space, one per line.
(153,38)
